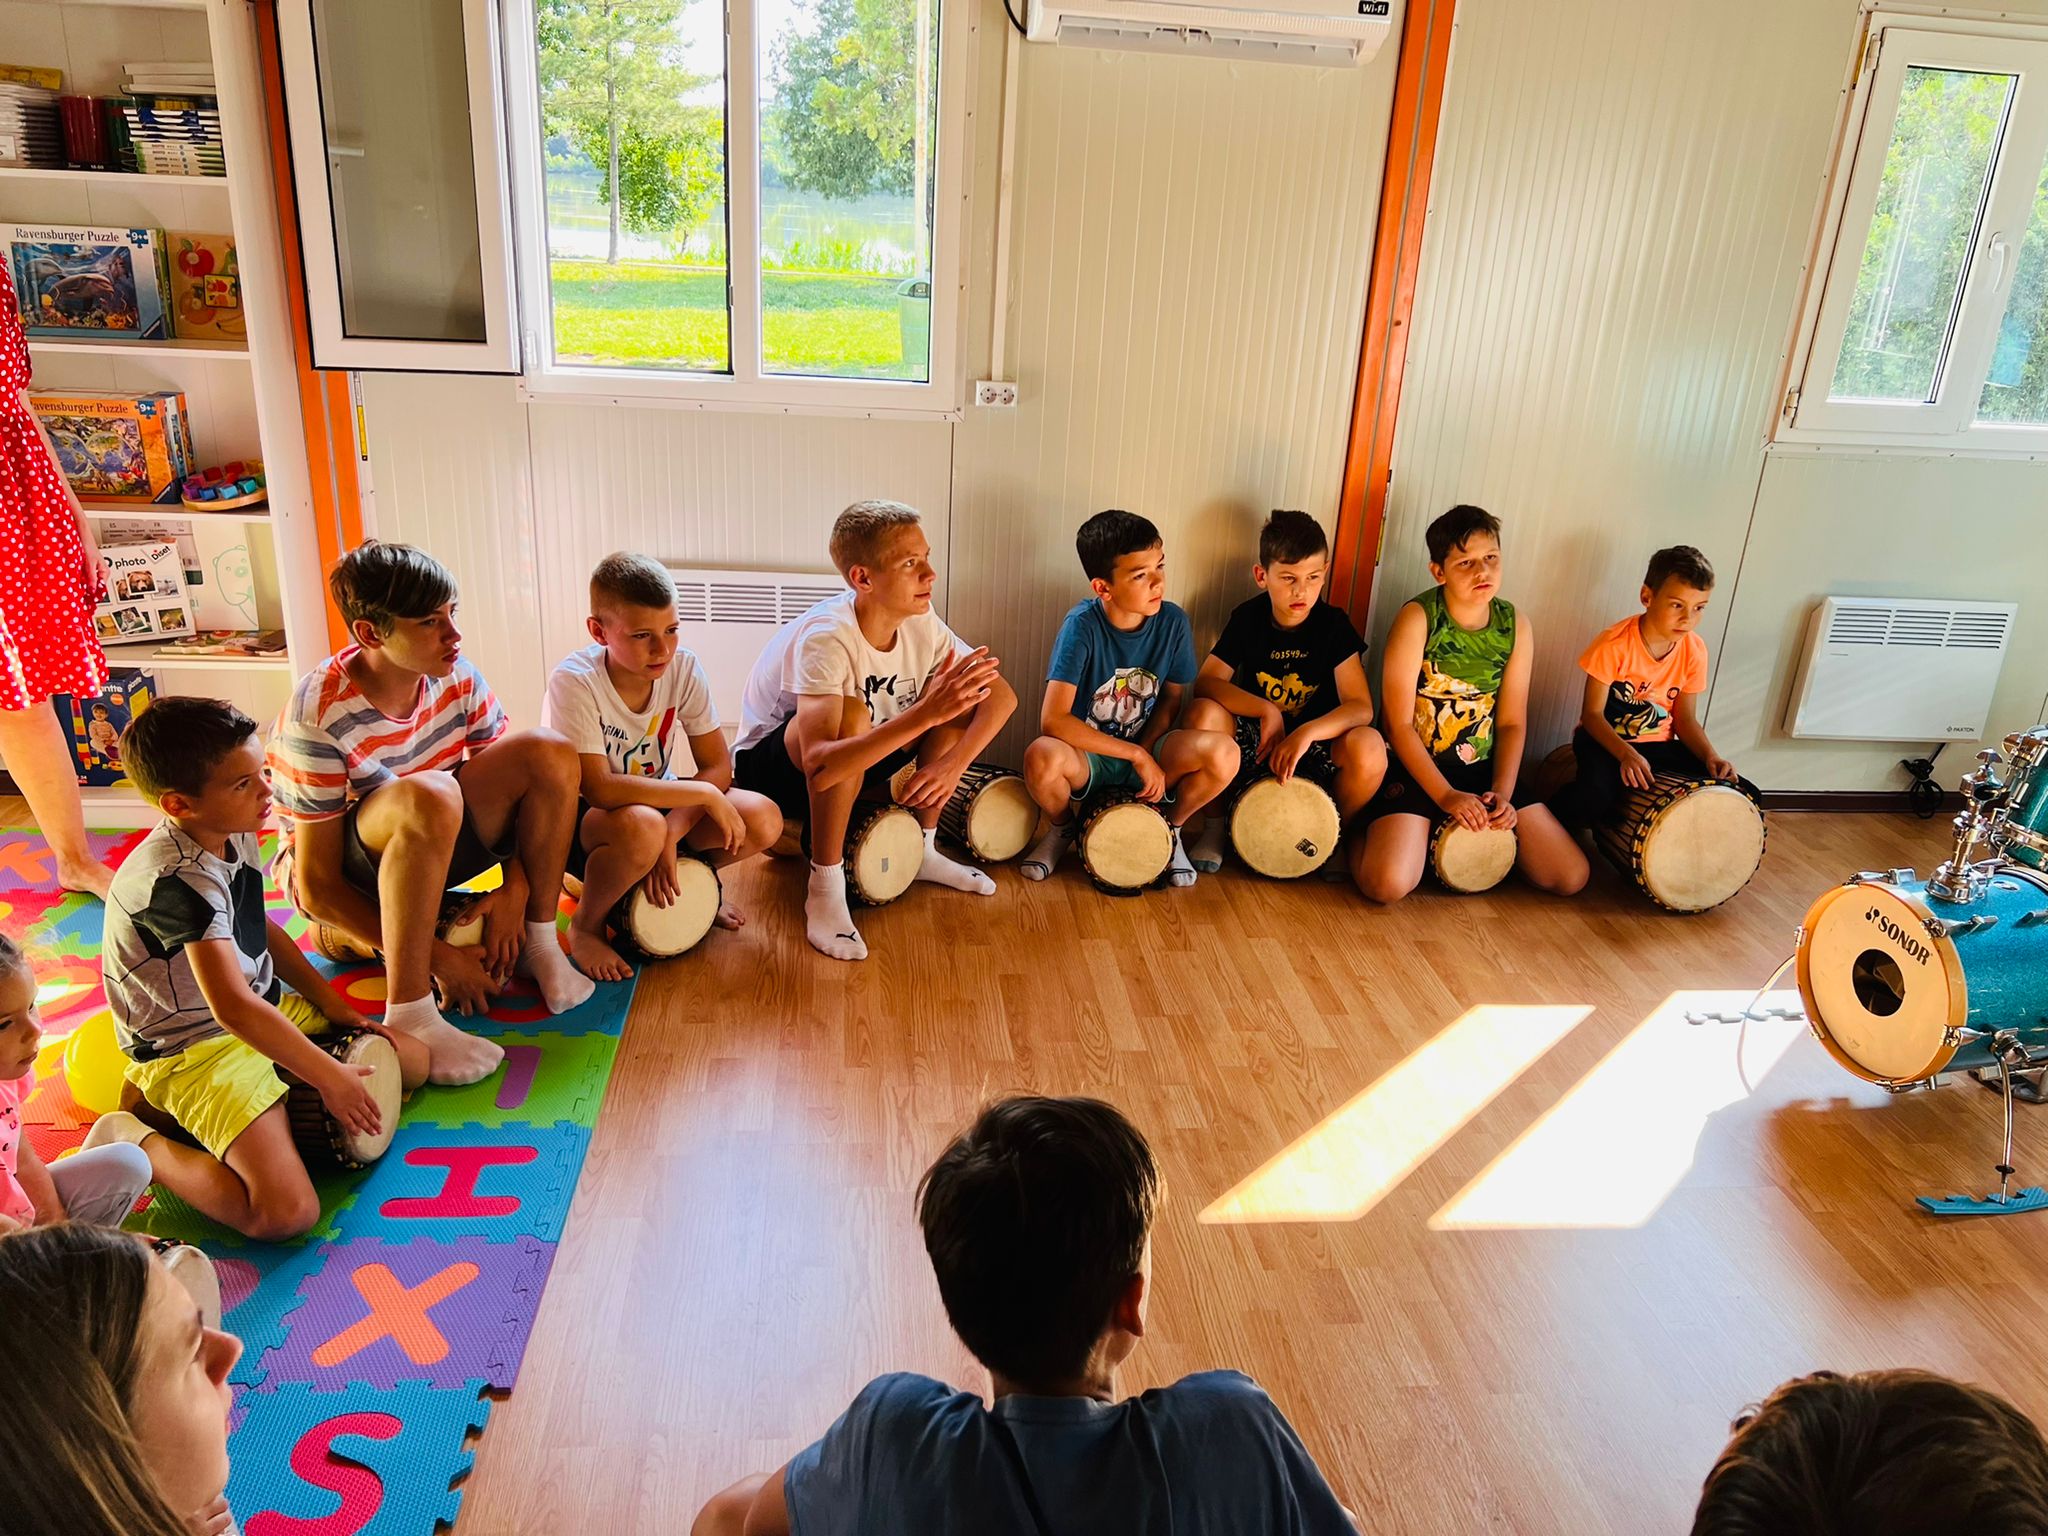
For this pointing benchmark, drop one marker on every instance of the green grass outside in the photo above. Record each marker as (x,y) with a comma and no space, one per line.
(651,314)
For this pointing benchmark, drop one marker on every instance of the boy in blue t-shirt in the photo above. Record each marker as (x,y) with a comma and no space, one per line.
(1122,664)
(1038,1221)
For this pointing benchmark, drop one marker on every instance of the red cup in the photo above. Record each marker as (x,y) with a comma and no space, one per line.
(85,132)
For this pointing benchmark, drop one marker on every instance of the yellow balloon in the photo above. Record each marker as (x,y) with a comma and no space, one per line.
(94,1067)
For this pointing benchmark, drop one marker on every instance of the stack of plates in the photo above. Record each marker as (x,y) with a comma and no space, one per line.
(177,135)
(31,134)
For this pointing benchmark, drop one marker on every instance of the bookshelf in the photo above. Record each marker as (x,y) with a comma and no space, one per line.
(259,568)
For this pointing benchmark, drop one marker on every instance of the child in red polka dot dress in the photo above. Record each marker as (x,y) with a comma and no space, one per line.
(49,583)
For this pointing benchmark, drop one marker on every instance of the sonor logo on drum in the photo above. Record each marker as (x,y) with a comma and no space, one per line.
(1914,949)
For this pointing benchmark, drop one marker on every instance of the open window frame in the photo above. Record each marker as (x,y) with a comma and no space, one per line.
(1896,40)
(748,386)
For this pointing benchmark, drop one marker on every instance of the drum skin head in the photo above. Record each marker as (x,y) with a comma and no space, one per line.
(1126,847)
(1703,848)
(1468,862)
(385,1086)
(1001,820)
(883,855)
(1284,831)
(660,933)
(1881,991)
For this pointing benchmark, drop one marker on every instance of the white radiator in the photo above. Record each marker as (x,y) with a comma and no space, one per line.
(727,617)
(1899,669)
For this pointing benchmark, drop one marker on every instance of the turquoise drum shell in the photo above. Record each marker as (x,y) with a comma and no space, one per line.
(1987,979)
(2028,810)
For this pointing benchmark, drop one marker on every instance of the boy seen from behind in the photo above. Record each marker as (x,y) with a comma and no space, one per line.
(1644,676)
(1121,667)
(209,996)
(399,781)
(1455,688)
(656,774)
(1287,679)
(1038,1220)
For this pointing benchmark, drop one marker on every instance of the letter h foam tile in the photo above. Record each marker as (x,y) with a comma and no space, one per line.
(354,1463)
(440,1182)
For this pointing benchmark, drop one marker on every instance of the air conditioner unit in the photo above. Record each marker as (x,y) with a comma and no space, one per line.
(1326,32)
(1899,669)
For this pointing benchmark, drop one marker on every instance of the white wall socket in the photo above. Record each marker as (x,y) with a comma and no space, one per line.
(1000,393)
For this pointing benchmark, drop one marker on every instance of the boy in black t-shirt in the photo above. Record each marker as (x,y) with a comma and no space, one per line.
(1286,675)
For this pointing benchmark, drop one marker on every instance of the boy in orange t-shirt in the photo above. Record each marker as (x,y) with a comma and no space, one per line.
(1642,676)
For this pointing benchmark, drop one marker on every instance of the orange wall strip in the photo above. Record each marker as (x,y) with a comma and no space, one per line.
(323,396)
(1390,300)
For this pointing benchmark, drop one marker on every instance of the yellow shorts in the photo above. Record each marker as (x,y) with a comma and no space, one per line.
(217,1088)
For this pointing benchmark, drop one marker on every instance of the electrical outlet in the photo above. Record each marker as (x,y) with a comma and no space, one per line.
(1000,393)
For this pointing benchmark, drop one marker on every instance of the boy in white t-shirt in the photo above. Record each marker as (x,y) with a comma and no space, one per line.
(867,680)
(637,708)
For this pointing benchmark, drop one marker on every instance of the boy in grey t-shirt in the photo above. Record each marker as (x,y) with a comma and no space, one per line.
(1038,1221)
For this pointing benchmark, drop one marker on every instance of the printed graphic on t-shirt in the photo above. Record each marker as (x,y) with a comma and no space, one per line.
(1453,716)
(1288,691)
(644,756)
(1635,718)
(871,686)
(1123,704)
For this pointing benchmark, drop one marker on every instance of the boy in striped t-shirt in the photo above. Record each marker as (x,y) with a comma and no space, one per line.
(398,780)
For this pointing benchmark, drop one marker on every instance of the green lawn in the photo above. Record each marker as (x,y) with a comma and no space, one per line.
(648,314)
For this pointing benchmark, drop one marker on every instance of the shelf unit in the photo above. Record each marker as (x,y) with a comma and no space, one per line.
(260,568)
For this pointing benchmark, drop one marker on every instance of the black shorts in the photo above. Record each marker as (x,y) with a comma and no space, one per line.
(767,769)
(472,855)
(1317,765)
(1399,794)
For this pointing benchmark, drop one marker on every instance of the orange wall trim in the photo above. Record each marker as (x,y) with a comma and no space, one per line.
(324,402)
(1389,300)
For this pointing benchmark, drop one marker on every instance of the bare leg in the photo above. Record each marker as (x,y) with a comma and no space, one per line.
(262,1190)
(622,845)
(38,754)
(1361,764)
(1387,864)
(764,826)
(1199,765)
(1054,773)
(409,827)
(525,784)
(726,1513)
(1208,715)
(1548,856)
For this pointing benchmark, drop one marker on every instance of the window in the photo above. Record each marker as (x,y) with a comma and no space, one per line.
(786,185)
(1928,324)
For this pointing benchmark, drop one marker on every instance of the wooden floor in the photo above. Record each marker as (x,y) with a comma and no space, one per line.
(742,1256)
(1523,1299)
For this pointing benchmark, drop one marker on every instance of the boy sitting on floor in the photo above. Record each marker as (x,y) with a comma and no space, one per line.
(399,782)
(1643,676)
(1038,1221)
(1121,665)
(209,996)
(866,681)
(1287,679)
(1455,688)
(637,708)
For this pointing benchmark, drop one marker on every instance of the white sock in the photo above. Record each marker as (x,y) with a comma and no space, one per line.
(453,1055)
(1179,872)
(1208,852)
(949,872)
(561,985)
(1047,853)
(827,922)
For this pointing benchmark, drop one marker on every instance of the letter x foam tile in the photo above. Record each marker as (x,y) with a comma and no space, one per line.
(259,1288)
(356,1463)
(546,1077)
(377,1314)
(496,1182)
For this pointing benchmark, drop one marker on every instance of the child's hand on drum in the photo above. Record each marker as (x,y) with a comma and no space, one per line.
(932,784)
(1272,727)
(732,829)
(1472,811)
(1151,777)
(1501,815)
(1636,772)
(346,1093)
(1721,769)
(1286,757)
(661,885)
(466,983)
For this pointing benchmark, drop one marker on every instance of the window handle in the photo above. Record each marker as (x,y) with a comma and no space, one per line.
(1999,249)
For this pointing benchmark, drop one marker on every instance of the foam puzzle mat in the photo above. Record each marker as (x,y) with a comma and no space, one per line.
(368,1344)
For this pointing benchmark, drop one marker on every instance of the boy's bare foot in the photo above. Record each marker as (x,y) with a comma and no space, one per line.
(595,958)
(730,916)
(90,876)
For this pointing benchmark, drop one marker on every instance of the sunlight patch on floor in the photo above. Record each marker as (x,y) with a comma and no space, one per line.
(1613,1149)
(1346,1165)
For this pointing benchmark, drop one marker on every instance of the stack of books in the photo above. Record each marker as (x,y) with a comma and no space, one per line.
(31,134)
(224,645)
(174,119)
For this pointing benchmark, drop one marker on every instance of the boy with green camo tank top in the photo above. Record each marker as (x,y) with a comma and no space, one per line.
(1454,701)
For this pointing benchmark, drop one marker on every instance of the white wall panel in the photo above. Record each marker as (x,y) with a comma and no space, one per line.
(1620,203)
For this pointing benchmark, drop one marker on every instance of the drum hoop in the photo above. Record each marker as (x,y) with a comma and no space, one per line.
(1952,970)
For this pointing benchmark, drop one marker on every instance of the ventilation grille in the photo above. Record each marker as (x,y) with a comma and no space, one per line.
(766,598)
(1953,629)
